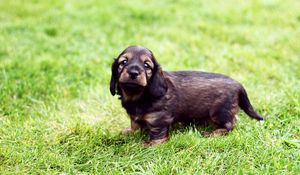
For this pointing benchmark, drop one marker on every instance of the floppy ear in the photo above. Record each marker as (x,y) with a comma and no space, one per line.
(114,77)
(157,86)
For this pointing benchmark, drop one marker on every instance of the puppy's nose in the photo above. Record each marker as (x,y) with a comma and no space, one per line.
(133,73)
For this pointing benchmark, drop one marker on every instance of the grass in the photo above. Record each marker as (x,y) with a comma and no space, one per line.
(58,117)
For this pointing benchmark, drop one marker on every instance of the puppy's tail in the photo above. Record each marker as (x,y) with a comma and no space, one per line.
(246,106)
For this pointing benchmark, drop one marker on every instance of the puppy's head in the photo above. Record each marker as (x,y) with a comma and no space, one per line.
(136,71)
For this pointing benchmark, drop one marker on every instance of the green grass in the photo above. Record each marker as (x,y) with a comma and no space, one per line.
(58,117)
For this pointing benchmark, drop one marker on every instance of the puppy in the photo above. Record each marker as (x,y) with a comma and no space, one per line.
(156,99)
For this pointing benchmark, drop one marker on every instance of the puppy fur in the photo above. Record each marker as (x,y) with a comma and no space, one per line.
(156,99)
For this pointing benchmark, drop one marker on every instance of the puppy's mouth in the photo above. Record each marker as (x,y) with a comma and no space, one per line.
(132,87)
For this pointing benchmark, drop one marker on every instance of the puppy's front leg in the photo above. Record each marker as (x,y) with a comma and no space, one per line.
(158,134)
(158,124)
(134,126)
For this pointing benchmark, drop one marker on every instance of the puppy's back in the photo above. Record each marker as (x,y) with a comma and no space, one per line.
(198,93)
(202,80)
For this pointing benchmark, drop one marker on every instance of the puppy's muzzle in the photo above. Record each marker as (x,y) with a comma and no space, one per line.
(133,76)
(134,71)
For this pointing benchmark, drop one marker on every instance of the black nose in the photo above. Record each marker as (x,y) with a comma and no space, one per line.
(133,73)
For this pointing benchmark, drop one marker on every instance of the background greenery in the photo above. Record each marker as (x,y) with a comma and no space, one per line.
(58,117)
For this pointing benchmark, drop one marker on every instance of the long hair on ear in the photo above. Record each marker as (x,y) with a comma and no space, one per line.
(114,77)
(157,86)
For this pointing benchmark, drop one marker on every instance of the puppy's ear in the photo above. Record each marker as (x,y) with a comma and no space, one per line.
(157,86)
(114,77)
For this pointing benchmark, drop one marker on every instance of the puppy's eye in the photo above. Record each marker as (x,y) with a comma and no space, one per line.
(147,65)
(124,62)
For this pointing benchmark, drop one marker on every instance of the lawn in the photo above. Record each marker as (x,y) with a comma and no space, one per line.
(57,115)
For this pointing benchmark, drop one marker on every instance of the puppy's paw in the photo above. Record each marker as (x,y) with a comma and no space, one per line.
(127,131)
(207,134)
(154,142)
(216,133)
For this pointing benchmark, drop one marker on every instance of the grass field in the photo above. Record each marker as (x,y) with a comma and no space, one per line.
(58,117)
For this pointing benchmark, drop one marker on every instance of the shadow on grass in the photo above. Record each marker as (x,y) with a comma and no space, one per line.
(95,136)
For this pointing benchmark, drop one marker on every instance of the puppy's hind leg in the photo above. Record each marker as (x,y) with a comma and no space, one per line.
(222,130)
(224,121)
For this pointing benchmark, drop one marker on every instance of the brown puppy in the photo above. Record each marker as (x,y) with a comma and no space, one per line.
(156,99)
